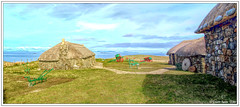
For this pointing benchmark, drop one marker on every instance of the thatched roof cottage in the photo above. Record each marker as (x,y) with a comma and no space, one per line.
(67,55)
(220,30)
(172,51)
(194,54)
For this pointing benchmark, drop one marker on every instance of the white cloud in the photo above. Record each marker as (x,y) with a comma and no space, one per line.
(94,26)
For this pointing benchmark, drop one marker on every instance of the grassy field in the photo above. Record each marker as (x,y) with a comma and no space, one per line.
(98,86)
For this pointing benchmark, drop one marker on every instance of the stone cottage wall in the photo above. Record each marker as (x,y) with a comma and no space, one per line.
(71,64)
(48,65)
(172,59)
(195,61)
(89,62)
(221,47)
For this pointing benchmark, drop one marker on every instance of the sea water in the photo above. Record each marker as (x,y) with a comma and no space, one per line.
(17,56)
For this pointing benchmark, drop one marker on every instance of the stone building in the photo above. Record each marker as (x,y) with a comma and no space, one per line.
(172,51)
(67,55)
(195,53)
(220,30)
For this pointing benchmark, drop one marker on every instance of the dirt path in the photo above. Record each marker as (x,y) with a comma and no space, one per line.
(159,71)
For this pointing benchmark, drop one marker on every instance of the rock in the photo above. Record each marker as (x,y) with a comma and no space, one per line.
(233,64)
(229,76)
(213,62)
(234,52)
(192,69)
(230,68)
(235,69)
(212,53)
(231,45)
(221,58)
(223,64)
(221,73)
(228,32)
(225,39)
(228,71)
(216,47)
(208,48)
(218,59)
(225,69)
(219,65)
(224,45)
(220,41)
(220,52)
(216,52)
(234,59)
(224,51)
(213,68)
(229,52)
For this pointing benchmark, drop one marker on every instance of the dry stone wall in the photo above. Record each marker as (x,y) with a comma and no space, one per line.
(221,47)
(195,61)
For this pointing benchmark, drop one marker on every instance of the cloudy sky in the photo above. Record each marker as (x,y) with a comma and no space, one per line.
(102,27)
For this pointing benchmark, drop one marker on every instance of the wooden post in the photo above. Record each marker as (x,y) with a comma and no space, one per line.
(27,60)
(21,62)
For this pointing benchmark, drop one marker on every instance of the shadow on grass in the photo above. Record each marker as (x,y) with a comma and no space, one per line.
(187,89)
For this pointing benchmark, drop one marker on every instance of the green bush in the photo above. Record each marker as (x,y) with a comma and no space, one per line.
(178,66)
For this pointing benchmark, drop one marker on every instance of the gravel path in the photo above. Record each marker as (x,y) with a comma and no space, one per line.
(159,71)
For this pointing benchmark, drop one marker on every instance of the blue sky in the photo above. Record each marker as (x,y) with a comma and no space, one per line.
(102,27)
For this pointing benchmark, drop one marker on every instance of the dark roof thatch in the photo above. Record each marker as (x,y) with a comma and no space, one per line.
(175,48)
(220,13)
(74,51)
(196,47)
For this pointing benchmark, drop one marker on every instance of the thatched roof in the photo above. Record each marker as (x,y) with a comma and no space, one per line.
(175,48)
(74,51)
(220,13)
(196,47)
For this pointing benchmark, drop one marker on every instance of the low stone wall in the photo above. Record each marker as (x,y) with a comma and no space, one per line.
(221,47)
(68,63)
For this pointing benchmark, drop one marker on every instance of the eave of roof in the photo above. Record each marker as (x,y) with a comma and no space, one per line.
(218,19)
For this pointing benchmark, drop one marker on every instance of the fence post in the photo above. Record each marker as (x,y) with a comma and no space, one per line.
(27,60)
(21,62)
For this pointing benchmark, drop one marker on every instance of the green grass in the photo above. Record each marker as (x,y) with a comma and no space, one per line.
(143,67)
(98,86)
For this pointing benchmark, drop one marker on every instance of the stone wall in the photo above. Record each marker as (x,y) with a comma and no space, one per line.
(172,59)
(68,64)
(195,61)
(221,47)
(47,64)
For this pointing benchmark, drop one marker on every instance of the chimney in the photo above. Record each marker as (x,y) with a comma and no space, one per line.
(63,41)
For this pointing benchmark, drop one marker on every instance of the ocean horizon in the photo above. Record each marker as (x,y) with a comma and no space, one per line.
(17,56)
